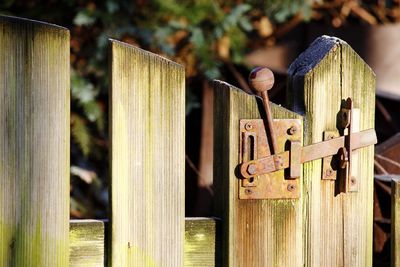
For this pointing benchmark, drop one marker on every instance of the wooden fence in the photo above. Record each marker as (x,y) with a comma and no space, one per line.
(147,225)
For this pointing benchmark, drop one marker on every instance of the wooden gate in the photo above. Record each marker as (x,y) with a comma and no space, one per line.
(321,226)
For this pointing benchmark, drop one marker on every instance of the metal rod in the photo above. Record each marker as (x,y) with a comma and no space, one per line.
(269,121)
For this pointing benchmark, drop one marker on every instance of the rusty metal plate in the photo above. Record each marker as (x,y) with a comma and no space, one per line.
(329,167)
(254,145)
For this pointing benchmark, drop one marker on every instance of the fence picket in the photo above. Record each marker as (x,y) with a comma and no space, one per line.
(147,118)
(34,143)
(254,232)
(338,228)
(395,223)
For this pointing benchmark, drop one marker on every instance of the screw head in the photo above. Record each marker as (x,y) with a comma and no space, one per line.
(248,126)
(261,79)
(248,191)
(329,172)
(353,180)
(278,161)
(292,130)
(291,187)
(252,169)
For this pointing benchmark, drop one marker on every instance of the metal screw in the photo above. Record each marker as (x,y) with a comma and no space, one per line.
(248,126)
(292,130)
(278,161)
(329,172)
(252,169)
(291,187)
(248,191)
(353,180)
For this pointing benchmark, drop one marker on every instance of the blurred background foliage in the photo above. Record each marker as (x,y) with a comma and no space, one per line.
(206,36)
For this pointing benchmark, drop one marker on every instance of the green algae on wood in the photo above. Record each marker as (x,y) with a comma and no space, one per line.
(86,243)
(147,120)
(202,242)
(254,232)
(34,143)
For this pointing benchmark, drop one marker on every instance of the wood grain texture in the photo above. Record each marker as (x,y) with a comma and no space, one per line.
(202,242)
(395,235)
(34,143)
(86,243)
(338,227)
(254,232)
(147,104)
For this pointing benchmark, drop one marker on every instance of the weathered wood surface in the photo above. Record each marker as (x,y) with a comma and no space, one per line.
(338,227)
(395,233)
(86,243)
(34,143)
(201,242)
(147,118)
(254,232)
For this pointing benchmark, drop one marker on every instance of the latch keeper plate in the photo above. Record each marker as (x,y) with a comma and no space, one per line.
(254,145)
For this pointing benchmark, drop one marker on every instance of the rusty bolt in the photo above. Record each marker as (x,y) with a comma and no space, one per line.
(279,161)
(291,187)
(292,130)
(329,172)
(248,191)
(252,169)
(248,126)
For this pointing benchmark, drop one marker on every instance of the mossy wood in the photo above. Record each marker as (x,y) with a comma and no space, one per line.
(254,232)
(337,226)
(147,118)
(34,143)
(86,243)
(395,236)
(200,250)
(202,242)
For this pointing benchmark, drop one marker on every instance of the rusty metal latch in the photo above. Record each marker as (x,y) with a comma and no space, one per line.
(263,169)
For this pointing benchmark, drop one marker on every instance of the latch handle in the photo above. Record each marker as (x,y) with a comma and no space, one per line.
(261,80)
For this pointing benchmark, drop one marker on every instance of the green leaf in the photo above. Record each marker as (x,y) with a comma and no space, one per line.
(83,18)
(80,133)
(81,89)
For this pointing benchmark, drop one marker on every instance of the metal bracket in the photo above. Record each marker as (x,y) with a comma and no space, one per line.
(254,145)
(344,164)
(263,175)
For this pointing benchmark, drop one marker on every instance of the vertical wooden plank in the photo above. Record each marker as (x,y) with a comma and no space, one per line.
(254,232)
(147,104)
(34,143)
(338,226)
(86,243)
(395,235)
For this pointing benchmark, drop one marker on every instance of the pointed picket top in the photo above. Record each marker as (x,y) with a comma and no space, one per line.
(339,225)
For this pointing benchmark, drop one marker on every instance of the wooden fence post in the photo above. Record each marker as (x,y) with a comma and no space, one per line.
(254,232)
(395,235)
(338,227)
(34,143)
(147,118)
